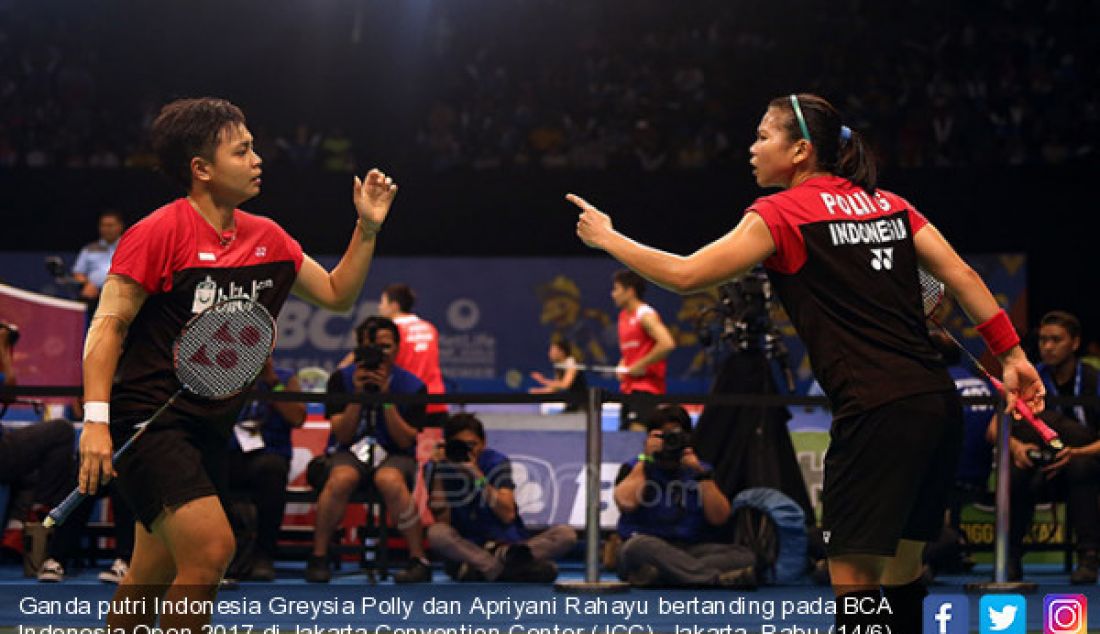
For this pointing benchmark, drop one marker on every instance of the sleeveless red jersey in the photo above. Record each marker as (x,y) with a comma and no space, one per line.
(419,354)
(185,266)
(845,267)
(635,343)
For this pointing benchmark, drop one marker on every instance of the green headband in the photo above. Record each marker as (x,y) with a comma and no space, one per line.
(801,119)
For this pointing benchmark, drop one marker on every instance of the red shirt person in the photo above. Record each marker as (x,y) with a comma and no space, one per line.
(419,349)
(843,257)
(176,262)
(644,343)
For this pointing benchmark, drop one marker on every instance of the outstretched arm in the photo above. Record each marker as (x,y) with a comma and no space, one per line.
(749,243)
(940,259)
(337,290)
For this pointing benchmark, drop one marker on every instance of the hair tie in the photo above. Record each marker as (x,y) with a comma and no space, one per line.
(845,134)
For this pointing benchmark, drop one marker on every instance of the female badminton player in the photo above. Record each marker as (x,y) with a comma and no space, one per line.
(180,259)
(843,256)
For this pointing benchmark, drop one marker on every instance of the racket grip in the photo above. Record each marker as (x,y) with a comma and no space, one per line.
(61,512)
(1048,435)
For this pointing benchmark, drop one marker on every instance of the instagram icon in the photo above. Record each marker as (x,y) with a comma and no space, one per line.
(1065,614)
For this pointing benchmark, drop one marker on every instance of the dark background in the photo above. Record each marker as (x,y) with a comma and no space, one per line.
(984,114)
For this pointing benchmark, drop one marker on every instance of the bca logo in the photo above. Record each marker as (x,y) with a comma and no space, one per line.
(882,259)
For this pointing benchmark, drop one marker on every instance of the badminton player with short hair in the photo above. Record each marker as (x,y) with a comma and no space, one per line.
(843,256)
(177,261)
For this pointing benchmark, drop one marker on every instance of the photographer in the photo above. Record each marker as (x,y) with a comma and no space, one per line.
(355,428)
(478,528)
(259,468)
(672,512)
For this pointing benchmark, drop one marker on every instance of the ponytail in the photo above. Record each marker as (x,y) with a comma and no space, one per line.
(840,150)
(856,162)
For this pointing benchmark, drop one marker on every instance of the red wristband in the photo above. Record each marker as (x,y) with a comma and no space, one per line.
(998,333)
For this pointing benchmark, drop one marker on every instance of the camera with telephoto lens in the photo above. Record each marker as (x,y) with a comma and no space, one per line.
(13,332)
(673,445)
(369,357)
(457,450)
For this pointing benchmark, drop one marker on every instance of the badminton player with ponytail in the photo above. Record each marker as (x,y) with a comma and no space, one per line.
(843,256)
(191,254)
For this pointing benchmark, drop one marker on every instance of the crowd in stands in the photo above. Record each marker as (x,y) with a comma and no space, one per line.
(551,84)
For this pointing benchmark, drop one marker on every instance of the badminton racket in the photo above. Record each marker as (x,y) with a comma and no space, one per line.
(218,354)
(932,292)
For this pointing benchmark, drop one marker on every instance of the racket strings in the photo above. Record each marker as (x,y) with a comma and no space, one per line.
(222,351)
(932,293)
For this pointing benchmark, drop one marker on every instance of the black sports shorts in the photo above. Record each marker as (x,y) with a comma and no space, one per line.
(888,473)
(173,463)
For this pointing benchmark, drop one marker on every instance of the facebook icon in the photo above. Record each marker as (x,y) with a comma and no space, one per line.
(946,614)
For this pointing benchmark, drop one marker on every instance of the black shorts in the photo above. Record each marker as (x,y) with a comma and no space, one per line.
(638,412)
(888,473)
(170,465)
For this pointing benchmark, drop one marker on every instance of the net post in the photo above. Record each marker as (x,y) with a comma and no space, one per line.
(593,469)
(1000,581)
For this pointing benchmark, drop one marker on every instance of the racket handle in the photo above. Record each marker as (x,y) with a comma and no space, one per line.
(1048,435)
(61,512)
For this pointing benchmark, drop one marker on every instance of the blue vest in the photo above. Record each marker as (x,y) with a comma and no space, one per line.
(671,508)
(401,382)
(471,514)
(1086,382)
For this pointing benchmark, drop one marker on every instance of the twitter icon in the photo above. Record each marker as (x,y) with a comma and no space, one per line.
(1003,614)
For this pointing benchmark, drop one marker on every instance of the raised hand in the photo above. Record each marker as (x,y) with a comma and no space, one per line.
(373,196)
(593,226)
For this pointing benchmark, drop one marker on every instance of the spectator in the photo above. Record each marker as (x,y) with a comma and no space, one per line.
(1072,474)
(260,465)
(64,543)
(671,513)
(94,260)
(477,527)
(356,429)
(37,456)
(1063,373)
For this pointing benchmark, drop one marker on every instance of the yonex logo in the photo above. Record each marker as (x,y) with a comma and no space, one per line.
(227,357)
(882,258)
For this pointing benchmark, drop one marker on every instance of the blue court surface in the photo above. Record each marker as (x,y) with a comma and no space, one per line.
(352,604)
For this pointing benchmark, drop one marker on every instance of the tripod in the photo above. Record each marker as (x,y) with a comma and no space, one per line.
(749,445)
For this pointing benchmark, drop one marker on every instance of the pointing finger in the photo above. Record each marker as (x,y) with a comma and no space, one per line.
(578,201)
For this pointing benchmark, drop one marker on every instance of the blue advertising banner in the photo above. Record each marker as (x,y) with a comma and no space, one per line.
(496,316)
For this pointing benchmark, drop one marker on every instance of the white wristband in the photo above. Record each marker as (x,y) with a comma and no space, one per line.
(97,412)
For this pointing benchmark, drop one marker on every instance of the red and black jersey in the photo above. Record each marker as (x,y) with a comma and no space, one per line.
(845,267)
(185,266)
